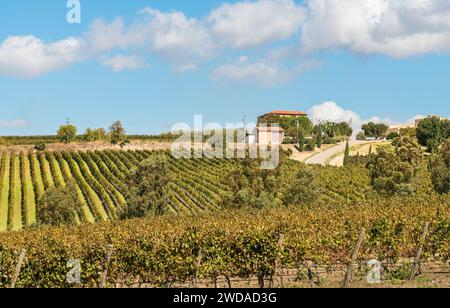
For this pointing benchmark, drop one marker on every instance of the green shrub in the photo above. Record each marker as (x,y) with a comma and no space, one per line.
(392,136)
(40,147)
(310,145)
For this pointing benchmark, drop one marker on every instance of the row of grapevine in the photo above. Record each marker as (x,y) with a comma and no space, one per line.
(240,244)
(86,213)
(15,197)
(4,191)
(29,200)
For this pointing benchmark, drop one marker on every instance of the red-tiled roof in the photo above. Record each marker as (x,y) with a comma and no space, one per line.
(287,113)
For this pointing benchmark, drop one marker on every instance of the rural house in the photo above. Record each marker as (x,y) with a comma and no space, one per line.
(268,134)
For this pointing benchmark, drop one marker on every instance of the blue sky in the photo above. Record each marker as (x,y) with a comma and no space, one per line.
(220,59)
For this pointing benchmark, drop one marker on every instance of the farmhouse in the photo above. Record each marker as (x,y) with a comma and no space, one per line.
(270,135)
(267,133)
(283,114)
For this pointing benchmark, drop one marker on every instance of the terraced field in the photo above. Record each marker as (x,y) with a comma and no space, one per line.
(100,180)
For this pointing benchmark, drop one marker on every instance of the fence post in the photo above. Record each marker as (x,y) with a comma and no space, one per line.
(348,274)
(198,261)
(18,268)
(276,262)
(308,265)
(104,276)
(416,263)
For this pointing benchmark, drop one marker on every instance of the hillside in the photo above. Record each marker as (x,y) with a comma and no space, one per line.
(100,179)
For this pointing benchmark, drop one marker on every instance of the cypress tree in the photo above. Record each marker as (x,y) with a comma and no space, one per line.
(319,136)
(302,141)
(347,155)
(358,160)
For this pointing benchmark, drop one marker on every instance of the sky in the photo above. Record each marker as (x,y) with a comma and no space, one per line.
(153,64)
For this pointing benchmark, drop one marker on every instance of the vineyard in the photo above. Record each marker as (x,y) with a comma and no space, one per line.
(100,182)
(196,185)
(171,249)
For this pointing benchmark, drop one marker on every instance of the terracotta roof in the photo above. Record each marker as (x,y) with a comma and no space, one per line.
(287,113)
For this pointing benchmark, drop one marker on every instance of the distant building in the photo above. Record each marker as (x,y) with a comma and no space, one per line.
(397,128)
(267,134)
(270,135)
(283,114)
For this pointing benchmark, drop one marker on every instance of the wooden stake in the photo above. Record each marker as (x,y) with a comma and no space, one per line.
(18,268)
(416,263)
(198,261)
(348,275)
(276,263)
(104,276)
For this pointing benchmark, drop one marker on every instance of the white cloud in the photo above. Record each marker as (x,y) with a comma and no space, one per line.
(252,23)
(28,56)
(330,111)
(120,63)
(261,72)
(397,28)
(13,124)
(416,117)
(182,41)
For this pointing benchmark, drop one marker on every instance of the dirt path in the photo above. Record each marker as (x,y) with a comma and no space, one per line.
(363,150)
(324,156)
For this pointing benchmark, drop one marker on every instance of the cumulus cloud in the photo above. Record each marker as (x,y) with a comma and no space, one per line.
(397,28)
(28,56)
(13,124)
(260,72)
(120,63)
(330,111)
(416,117)
(252,23)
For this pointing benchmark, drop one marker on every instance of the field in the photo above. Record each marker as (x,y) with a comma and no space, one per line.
(196,185)
(234,246)
(100,178)
(199,243)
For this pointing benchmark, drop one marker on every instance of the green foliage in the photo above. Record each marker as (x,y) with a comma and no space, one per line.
(358,160)
(67,133)
(57,206)
(440,168)
(392,171)
(117,134)
(162,251)
(288,123)
(408,132)
(392,136)
(361,136)
(147,188)
(92,135)
(252,187)
(310,145)
(40,147)
(375,130)
(305,189)
(330,140)
(332,129)
(319,136)
(301,142)
(432,131)
(347,155)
